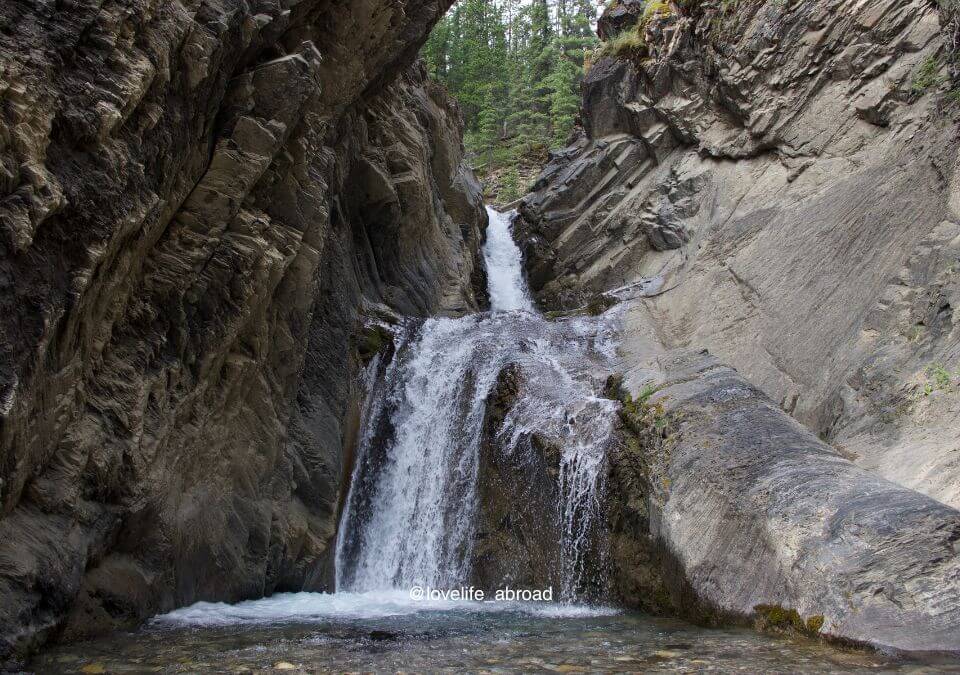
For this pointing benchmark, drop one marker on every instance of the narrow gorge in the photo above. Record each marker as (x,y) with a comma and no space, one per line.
(278,391)
(462,405)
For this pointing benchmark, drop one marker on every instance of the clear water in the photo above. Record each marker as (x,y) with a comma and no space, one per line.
(409,522)
(348,633)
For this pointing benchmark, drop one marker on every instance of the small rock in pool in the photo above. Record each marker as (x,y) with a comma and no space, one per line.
(664,654)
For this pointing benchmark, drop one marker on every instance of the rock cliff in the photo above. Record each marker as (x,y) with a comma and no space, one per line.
(779,179)
(775,182)
(199,202)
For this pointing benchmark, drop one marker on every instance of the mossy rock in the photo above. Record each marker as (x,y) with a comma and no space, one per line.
(613,388)
(595,307)
(641,416)
(600,304)
(777,619)
(371,340)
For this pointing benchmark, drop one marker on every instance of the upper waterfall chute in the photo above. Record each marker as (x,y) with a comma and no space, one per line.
(505,280)
(411,517)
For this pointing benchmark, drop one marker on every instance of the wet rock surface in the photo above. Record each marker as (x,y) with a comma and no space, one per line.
(749,514)
(786,172)
(518,531)
(197,202)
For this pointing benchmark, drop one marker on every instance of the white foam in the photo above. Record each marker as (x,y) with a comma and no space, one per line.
(318,607)
(565,611)
(505,282)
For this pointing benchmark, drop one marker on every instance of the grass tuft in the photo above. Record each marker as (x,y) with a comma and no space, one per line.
(927,76)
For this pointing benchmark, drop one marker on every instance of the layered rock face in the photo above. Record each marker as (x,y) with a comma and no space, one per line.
(775,182)
(780,178)
(200,200)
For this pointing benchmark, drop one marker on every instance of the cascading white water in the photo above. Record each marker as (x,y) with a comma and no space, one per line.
(505,282)
(410,518)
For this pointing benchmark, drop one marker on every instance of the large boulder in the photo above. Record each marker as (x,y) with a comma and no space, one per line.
(618,17)
(518,527)
(750,515)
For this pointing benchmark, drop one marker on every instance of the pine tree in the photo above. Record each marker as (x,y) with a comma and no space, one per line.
(564,99)
(515,66)
(436,51)
(488,123)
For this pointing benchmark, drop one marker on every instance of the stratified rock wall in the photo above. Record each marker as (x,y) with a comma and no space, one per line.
(786,173)
(198,200)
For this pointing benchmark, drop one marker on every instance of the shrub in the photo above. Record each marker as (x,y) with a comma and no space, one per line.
(632,42)
(941,376)
(624,45)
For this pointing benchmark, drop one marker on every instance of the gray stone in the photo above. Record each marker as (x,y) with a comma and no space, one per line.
(749,511)
(619,16)
(816,244)
(797,201)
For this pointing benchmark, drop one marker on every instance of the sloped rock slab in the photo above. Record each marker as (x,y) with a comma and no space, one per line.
(756,511)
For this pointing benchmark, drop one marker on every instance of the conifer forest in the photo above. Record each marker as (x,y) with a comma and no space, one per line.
(515,66)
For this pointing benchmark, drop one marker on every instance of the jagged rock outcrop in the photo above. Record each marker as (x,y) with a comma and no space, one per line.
(780,178)
(518,527)
(618,17)
(751,515)
(197,202)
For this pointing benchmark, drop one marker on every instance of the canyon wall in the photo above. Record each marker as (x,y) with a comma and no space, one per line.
(200,203)
(773,186)
(203,203)
(777,182)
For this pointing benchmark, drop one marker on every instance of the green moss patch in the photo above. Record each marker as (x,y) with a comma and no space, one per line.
(777,619)
(927,76)
(371,340)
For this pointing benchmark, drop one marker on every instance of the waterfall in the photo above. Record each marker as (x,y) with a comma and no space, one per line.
(410,517)
(505,282)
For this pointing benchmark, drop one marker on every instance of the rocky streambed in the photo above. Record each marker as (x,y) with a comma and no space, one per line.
(466,639)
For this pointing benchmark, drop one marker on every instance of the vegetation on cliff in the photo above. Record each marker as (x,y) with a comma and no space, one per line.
(515,66)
